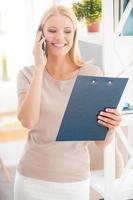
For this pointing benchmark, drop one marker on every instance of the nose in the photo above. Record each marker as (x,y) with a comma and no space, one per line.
(59,35)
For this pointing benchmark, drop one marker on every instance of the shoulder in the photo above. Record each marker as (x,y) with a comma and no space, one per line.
(91,70)
(26,72)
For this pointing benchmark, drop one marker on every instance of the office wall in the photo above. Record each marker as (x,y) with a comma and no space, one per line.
(91,51)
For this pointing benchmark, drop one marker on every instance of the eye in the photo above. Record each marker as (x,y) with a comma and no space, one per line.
(52,30)
(67,31)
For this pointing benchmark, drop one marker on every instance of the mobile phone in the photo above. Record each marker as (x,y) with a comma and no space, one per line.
(43,44)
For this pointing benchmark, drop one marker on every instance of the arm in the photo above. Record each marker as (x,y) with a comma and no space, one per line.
(110,119)
(29,102)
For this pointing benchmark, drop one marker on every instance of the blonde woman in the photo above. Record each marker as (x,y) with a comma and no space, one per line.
(51,170)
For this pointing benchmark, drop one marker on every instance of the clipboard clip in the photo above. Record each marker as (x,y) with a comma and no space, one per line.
(110,82)
(93,82)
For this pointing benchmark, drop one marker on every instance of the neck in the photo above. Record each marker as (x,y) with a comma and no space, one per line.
(59,65)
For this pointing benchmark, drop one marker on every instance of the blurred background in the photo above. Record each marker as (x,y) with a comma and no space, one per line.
(18,24)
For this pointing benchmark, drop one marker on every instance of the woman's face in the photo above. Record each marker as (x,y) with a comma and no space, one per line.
(59,34)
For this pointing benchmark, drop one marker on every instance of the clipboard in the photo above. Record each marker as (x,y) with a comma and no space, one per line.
(90,95)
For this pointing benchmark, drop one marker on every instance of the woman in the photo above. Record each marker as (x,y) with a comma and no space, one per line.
(48,169)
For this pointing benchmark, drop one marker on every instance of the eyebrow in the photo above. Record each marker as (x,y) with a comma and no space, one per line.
(64,27)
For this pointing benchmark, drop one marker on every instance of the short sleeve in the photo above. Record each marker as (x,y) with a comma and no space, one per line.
(24,78)
(99,72)
(91,70)
(22,83)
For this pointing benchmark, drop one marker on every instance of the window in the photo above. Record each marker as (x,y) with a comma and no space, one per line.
(123,23)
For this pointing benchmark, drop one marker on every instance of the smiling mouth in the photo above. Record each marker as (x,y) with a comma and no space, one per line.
(59,45)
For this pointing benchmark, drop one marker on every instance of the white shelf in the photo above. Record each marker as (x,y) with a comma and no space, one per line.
(127,120)
(95,38)
(90,37)
(126,186)
(123,185)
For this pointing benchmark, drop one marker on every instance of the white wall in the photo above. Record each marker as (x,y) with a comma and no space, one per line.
(21,22)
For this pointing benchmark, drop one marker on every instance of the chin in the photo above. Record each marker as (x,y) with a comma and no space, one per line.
(60,53)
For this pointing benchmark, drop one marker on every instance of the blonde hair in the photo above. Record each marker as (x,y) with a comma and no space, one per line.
(60,9)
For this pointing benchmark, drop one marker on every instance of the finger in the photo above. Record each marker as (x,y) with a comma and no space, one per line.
(111,116)
(39,44)
(42,40)
(109,126)
(109,121)
(38,36)
(112,110)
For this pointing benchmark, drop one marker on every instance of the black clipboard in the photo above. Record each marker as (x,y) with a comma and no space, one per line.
(90,95)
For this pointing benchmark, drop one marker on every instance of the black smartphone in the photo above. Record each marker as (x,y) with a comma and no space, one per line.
(43,45)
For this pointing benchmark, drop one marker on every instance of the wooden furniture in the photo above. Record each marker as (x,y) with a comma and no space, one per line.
(11,129)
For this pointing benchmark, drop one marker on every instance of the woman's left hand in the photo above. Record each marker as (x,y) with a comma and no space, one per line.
(109,118)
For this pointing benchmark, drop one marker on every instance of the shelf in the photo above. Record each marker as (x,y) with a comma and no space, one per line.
(127,120)
(94,38)
(126,186)
(90,37)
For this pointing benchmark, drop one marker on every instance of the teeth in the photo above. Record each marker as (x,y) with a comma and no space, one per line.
(59,45)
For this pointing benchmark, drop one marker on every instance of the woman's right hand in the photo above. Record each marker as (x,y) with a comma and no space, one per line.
(39,55)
